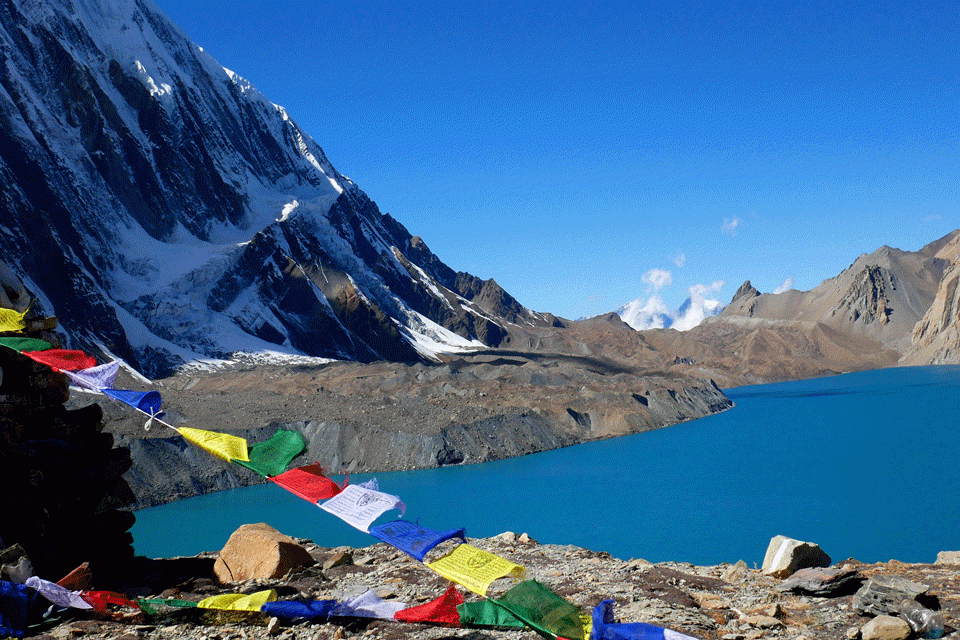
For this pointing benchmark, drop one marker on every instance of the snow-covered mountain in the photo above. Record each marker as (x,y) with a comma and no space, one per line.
(652,313)
(164,210)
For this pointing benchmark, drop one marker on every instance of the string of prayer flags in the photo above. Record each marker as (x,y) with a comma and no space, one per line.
(146,401)
(442,610)
(308,483)
(606,628)
(484,613)
(57,594)
(413,539)
(474,568)
(295,610)
(12,321)
(239,601)
(23,343)
(359,507)
(543,611)
(272,457)
(63,359)
(222,445)
(368,605)
(100,377)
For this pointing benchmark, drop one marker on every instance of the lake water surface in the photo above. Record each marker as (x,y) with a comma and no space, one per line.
(867,465)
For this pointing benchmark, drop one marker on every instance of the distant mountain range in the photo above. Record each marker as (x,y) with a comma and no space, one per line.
(165,211)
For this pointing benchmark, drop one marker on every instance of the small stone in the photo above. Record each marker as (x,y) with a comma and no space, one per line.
(507,536)
(273,627)
(526,539)
(385,593)
(948,557)
(774,611)
(885,627)
(853,633)
(763,622)
(337,559)
(785,555)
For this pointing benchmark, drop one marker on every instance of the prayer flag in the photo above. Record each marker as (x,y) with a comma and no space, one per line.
(12,321)
(99,377)
(442,610)
(22,343)
(474,568)
(544,611)
(368,605)
(271,458)
(359,507)
(57,594)
(221,445)
(606,628)
(484,613)
(239,601)
(147,401)
(153,606)
(101,600)
(63,359)
(309,483)
(300,609)
(413,539)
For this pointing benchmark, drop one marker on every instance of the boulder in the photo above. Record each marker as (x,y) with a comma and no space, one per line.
(259,551)
(885,627)
(948,557)
(884,594)
(785,555)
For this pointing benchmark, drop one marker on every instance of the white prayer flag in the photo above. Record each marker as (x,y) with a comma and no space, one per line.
(359,507)
(370,605)
(57,594)
(95,378)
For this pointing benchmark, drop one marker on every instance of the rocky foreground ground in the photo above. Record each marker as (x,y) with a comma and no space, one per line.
(728,602)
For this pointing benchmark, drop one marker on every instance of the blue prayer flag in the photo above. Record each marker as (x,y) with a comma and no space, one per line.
(413,539)
(146,401)
(604,627)
(300,609)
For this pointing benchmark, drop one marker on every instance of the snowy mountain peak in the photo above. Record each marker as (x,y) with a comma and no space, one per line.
(166,211)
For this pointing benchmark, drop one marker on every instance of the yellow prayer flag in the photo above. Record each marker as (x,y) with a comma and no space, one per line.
(474,568)
(12,321)
(222,445)
(239,601)
(587,621)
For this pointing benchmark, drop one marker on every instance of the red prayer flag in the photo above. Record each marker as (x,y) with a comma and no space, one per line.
(309,483)
(443,610)
(63,359)
(100,600)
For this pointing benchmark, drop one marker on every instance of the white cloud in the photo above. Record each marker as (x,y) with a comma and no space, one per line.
(698,306)
(730,225)
(652,313)
(786,286)
(680,260)
(933,217)
(657,279)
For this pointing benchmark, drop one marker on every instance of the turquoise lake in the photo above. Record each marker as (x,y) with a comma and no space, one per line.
(867,465)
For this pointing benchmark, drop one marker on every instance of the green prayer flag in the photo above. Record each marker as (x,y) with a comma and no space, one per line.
(22,343)
(542,610)
(483,613)
(272,457)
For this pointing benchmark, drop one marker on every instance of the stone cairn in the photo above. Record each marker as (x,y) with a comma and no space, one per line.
(63,485)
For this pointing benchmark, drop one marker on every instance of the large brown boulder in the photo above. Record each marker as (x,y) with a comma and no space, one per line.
(259,551)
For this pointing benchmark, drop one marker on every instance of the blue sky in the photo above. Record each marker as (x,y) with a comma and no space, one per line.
(567,149)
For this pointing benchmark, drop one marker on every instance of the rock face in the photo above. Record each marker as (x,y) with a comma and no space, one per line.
(163,209)
(64,487)
(936,338)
